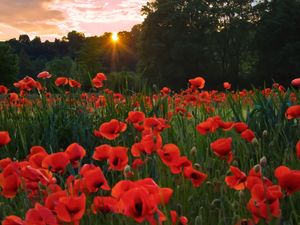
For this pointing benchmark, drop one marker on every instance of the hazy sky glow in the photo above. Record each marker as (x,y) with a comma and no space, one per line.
(55,18)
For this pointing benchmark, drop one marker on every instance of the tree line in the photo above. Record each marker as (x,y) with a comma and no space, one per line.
(245,42)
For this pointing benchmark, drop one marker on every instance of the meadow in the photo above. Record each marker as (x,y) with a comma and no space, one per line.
(151,157)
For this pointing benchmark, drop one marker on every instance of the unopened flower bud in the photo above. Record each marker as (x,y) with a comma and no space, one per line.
(257,168)
(263,161)
(179,209)
(193,151)
(254,141)
(197,166)
(198,220)
(265,133)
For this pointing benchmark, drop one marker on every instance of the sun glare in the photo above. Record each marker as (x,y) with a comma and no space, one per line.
(114,37)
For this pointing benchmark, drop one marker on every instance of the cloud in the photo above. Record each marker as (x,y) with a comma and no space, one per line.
(50,18)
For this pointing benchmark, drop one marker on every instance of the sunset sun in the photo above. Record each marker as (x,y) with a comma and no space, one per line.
(114,37)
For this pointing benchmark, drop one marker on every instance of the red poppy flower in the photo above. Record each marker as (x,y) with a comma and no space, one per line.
(121,188)
(118,158)
(105,205)
(13,97)
(3,90)
(255,177)
(298,149)
(137,163)
(27,84)
(71,208)
(98,80)
(74,83)
(4,163)
(155,124)
(197,82)
(293,112)
(61,81)
(75,152)
(248,135)
(195,176)
(240,127)
(210,125)
(296,82)
(222,148)
(10,181)
(288,179)
(237,180)
(36,156)
(40,215)
(33,177)
(180,163)
(44,75)
(137,204)
(10,185)
(137,149)
(111,130)
(13,220)
(264,202)
(102,152)
(94,179)
(135,117)
(169,154)
(151,142)
(182,220)
(165,90)
(57,162)
(4,138)
(226,85)
(53,198)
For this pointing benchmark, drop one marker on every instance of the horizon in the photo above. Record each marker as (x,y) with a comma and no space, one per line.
(55,18)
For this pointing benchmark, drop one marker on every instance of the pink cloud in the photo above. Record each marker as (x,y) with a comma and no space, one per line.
(55,18)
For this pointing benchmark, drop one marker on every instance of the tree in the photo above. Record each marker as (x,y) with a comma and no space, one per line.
(61,66)
(75,42)
(278,42)
(181,39)
(8,64)
(26,67)
(24,38)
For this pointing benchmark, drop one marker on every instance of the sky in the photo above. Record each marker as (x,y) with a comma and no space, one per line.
(50,19)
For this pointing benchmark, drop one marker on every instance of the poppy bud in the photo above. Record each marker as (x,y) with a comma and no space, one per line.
(265,133)
(128,172)
(193,151)
(136,139)
(198,220)
(263,161)
(216,203)
(197,166)
(179,209)
(254,141)
(257,168)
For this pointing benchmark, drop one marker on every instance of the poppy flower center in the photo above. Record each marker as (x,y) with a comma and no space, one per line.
(139,208)
(116,161)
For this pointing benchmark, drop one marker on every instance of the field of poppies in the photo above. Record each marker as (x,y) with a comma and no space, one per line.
(194,157)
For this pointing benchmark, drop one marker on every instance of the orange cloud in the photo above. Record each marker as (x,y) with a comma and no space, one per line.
(55,18)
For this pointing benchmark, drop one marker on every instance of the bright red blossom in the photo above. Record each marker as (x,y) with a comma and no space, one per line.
(111,130)
(4,138)
(222,148)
